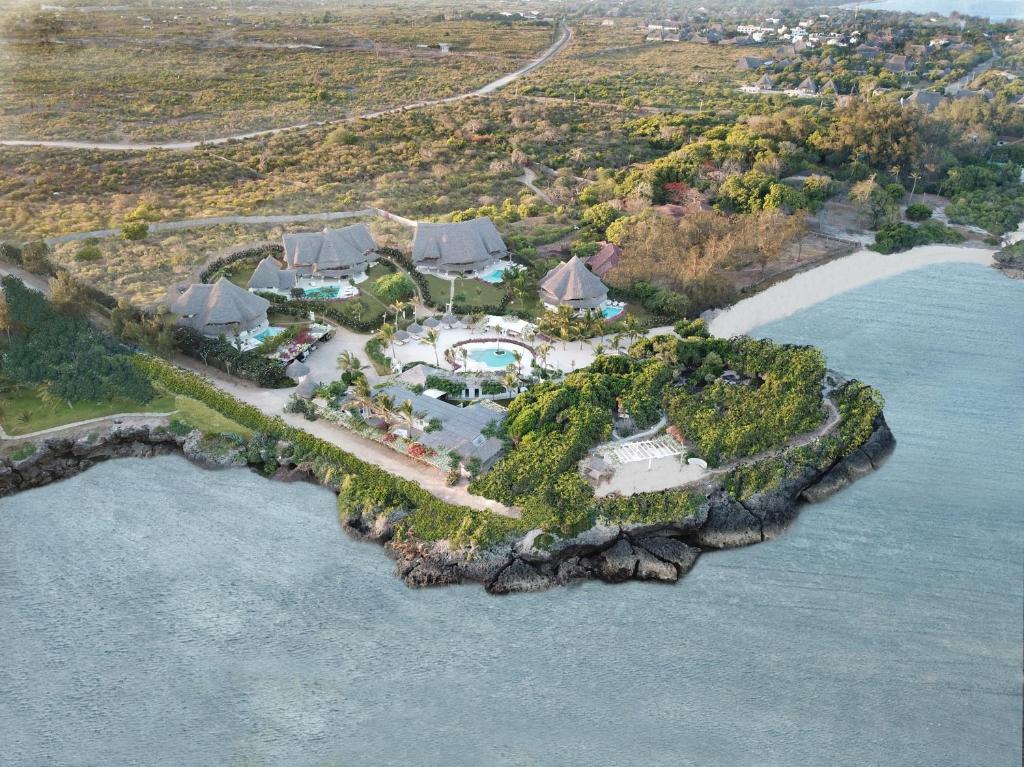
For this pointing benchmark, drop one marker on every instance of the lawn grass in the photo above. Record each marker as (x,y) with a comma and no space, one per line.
(21,411)
(467,291)
(199,416)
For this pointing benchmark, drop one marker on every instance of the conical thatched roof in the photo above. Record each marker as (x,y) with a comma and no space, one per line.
(415,329)
(215,309)
(402,335)
(807,86)
(450,320)
(572,284)
(306,388)
(297,370)
(431,322)
(269,275)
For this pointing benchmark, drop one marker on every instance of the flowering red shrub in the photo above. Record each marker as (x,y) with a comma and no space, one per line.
(416,450)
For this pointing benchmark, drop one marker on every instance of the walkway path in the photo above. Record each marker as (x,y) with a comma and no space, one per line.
(272,401)
(91,422)
(283,218)
(564,37)
(528,180)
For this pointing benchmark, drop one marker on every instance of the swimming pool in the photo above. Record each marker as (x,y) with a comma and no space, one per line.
(270,332)
(610,312)
(493,357)
(324,293)
(497,274)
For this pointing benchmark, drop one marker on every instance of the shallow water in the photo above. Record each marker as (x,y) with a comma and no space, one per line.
(152,613)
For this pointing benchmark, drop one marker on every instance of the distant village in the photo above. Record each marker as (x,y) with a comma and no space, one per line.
(833,55)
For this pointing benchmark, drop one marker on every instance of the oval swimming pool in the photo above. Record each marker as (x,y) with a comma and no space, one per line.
(493,357)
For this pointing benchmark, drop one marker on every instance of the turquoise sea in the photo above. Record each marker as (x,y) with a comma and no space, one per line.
(994,10)
(155,614)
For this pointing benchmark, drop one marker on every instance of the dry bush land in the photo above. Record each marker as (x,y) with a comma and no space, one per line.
(143,271)
(425,164)
(616,65)
(114,80)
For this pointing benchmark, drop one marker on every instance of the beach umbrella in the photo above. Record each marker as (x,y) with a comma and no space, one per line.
(431,322)
(297,370)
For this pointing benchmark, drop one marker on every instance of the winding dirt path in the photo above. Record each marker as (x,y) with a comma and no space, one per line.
(564,37)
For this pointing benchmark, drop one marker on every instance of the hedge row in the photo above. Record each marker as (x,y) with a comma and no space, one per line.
(259,251)
(251,365)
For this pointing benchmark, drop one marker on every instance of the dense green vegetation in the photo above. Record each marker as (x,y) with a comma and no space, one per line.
(781,399)
(64,352)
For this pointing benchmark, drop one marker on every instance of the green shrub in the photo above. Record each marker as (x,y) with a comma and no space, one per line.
(134,231)
(918,212)
(88,253)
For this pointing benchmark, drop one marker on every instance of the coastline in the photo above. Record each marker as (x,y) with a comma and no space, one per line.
(808,288)
(661,551)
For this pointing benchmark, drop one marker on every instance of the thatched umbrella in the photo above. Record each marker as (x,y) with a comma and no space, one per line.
(414,329)
(297,370)
(431,322)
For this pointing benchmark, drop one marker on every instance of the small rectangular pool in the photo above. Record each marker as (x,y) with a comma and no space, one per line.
(325,293)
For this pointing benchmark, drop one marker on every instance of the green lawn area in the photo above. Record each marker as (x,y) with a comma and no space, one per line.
(239,272)
(199,416)
(21,411)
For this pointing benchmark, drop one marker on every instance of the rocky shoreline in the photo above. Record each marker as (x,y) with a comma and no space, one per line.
(655,552)
(658,552)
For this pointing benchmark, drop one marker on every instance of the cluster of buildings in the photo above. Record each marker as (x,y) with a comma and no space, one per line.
(311,260)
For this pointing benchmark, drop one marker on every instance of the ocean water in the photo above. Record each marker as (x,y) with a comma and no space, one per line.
(152,613)
(994,10)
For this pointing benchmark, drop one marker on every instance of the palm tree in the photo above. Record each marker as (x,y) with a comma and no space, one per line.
(408,414)
(617,341)
(399,307)
(45,394)
(384,405)
(565,322)
(348,362)
(361,393)
(387,336)
(463,353)
(599,350)
(543,350)
(631,327)
(510,379)
(431,337)
(915,177)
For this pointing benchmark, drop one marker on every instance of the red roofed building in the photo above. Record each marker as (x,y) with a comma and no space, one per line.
(606,259)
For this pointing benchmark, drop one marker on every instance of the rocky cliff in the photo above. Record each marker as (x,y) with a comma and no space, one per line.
(660,552)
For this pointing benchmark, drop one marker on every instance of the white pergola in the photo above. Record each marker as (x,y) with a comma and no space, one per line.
(645,450)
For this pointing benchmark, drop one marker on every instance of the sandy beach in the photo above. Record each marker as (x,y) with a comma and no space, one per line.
(816,285)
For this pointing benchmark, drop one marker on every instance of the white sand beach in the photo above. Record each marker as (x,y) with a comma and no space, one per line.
(816,285)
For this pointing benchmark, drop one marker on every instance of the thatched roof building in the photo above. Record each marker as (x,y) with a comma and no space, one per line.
(331,252)
(270,276)
(572,284)
(465,246)
(220,308)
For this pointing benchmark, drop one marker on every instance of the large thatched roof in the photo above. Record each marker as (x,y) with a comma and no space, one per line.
(332,250)
(572,284)
(218,308)
(269,275)
(461,247)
